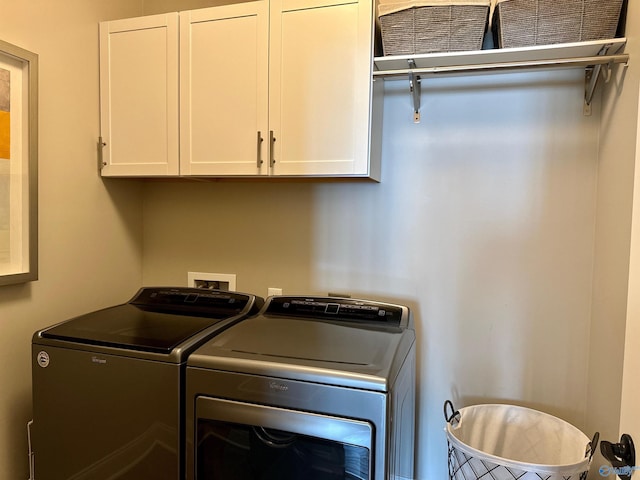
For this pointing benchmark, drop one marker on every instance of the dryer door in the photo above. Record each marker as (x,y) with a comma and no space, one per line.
(248,441)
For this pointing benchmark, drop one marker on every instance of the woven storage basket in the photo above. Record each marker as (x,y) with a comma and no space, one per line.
(507,442)
(525,23)
(432,26)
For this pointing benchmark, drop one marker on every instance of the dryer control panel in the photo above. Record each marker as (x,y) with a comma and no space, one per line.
(339,309)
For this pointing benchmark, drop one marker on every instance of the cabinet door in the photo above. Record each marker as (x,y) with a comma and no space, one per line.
(223,90)
(139,96)
(320,84)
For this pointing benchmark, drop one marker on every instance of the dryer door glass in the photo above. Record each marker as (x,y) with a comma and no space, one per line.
(251,442)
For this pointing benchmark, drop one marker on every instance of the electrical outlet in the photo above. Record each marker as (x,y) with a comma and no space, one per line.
(212,281)
(339,295)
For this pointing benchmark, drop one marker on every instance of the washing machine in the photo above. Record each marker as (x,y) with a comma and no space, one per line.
(313,388)
(108,386)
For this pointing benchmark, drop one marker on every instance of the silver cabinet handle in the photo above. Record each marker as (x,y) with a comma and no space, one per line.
(259,149)
(272,141)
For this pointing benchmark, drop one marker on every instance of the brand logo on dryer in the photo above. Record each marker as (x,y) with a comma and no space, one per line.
(278,386)
(98,360)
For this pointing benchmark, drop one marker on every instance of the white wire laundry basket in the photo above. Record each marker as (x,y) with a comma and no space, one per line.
(508,442)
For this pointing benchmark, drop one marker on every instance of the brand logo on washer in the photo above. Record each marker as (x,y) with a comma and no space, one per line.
(278,386)
(99,360)
(43,359)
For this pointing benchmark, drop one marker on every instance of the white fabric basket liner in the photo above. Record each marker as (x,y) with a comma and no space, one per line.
(386,7)
(520,438)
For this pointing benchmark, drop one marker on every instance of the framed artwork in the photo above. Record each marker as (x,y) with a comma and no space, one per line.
(18,165)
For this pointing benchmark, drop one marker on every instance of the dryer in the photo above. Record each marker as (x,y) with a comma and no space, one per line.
(108,386)
(314,388)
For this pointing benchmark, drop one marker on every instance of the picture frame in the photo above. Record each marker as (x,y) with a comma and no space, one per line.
(18,165)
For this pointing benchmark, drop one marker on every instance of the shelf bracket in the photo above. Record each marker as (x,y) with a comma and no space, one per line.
(415,89)
(593,73)
(592,76)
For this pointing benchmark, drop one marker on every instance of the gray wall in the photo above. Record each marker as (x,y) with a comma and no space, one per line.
(483,223)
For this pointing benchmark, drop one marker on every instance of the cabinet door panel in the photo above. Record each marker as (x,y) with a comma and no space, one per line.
(224,89)
(139,96)
(320,81)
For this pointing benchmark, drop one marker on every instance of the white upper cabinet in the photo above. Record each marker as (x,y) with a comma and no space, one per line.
(320,87)
(279,88)
(223,89)
(139,96)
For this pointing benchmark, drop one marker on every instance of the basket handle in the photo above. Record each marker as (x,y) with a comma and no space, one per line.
(592,445)
(449,417)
